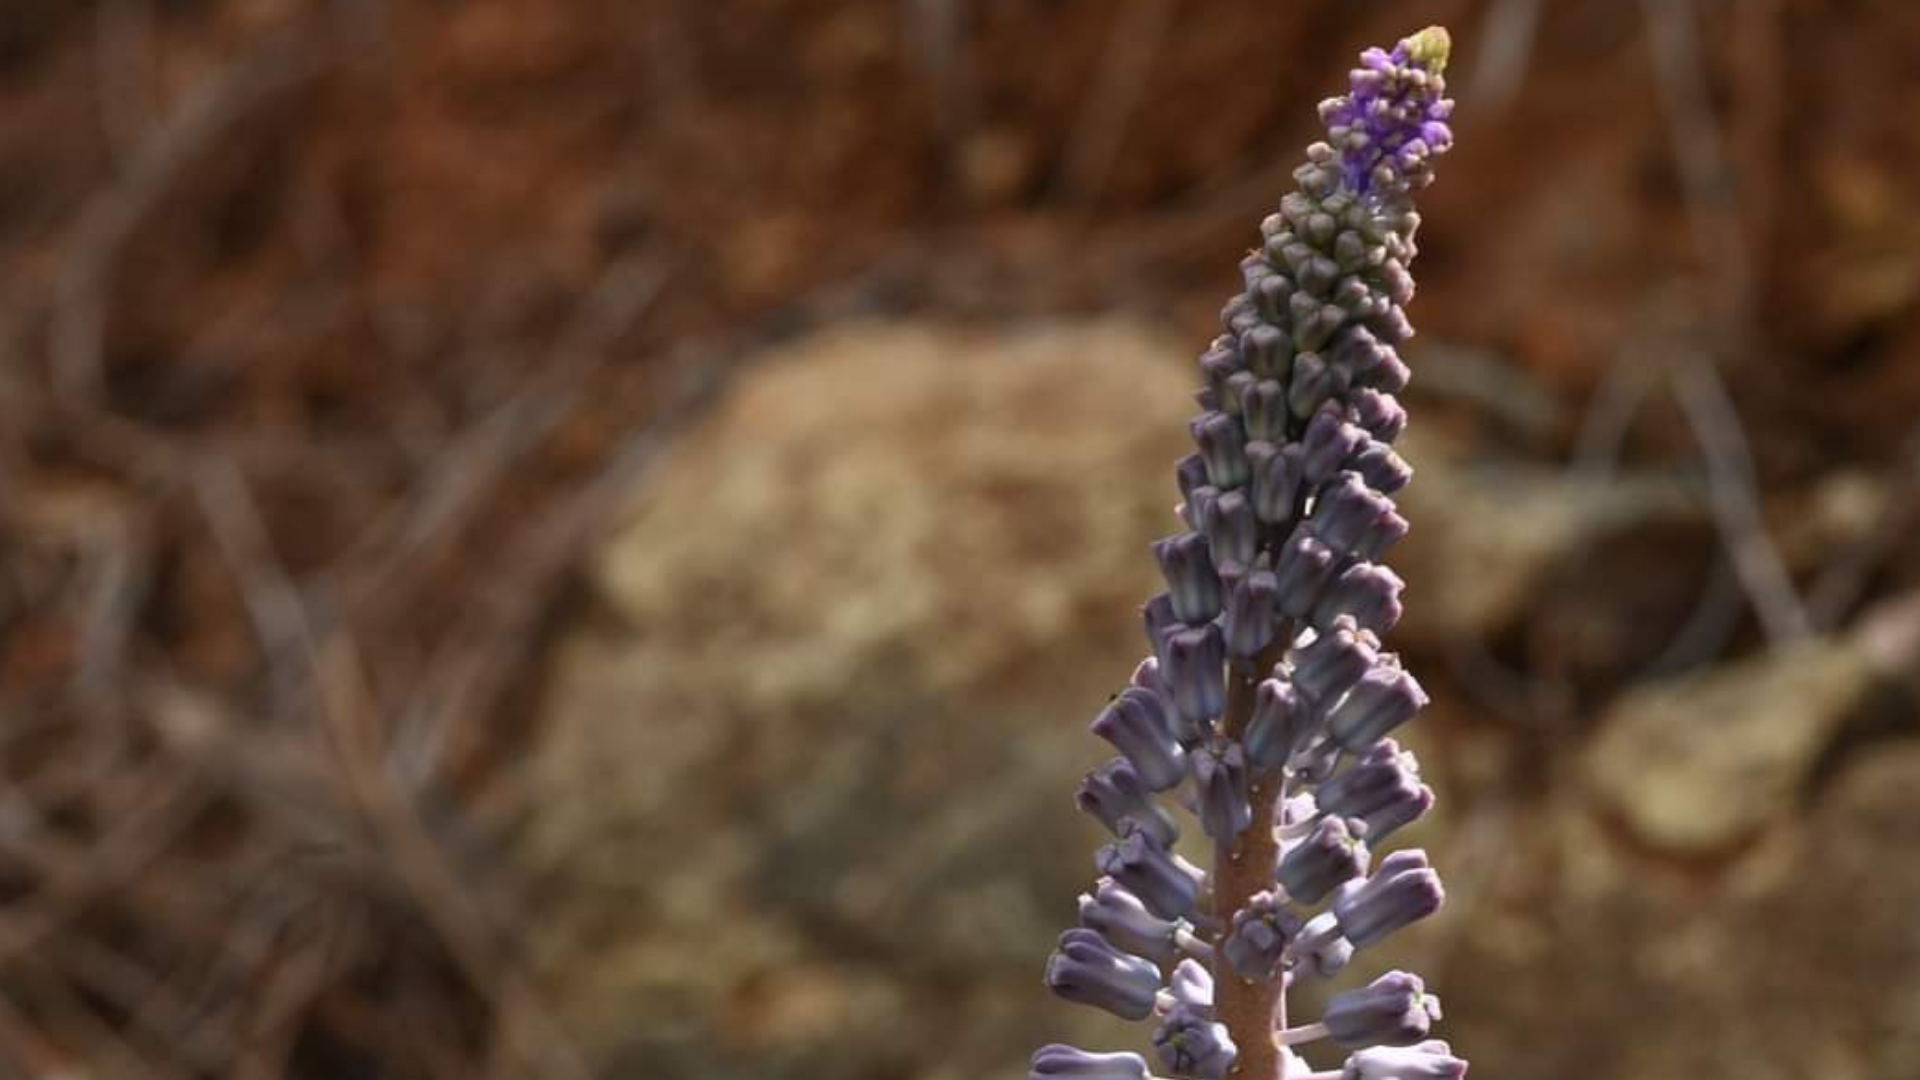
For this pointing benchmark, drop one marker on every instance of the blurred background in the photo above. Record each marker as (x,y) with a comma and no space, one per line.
(578,538)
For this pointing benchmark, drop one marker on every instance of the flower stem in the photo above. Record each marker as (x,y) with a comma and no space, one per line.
(1251,1009)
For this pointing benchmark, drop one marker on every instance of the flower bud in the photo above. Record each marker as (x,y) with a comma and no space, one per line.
(1278,474)
(1404,889)
(1265,411)
(1217,366)
(1192,581)
(1319,948)
(1158,619)
(1087,970)
(1367,591)
(1222,447)
(1191,985)
(1382,700)
(1238,316)
(1119,916)
(1316,276)
(1268,353)
(1327,444)
(1381,468)
(1147,676)
(1353,518)
(1191,1043)
(1252,613)
(1280,725)
(1233,535)
(1327,857)
(1220,787)
(1382,788)
(1333,661)
(1387,530)
(1273,298)
(1304,571)
(1060,1062)
(1430,1060)
(1297,810)
(1394,1009)
(1140,726)
(1314,380)
(1163,881)
(1381,415)
(1114,795)
(1389,373)
(1358,350)
(1190,473)
(1233,393)
(1196,668)
(1258,938)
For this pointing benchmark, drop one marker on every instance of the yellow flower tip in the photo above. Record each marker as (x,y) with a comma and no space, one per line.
(1429,48)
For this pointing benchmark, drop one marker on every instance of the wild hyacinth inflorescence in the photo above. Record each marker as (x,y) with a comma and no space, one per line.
(1267,701)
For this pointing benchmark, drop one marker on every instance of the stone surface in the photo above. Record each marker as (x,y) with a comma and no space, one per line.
(1488,533)
(1698,764)
(808,786)
(1801,957)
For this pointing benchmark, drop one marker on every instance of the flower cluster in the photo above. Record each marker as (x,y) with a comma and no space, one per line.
(1267,704)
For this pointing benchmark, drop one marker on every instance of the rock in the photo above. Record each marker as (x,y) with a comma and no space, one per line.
(1488,534)
(1799,957)
(805,792)
(1698,764)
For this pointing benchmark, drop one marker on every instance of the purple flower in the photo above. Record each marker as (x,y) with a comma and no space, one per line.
(1191,985)
(1281,724)
(1325,858)
(1264,410)
(1381,468)
(1367,592)
(1352,518)
(1220,788)
(1304,570)
(1259,936)
(1086,969)
(1394,1009)
(1430,1060)
(1192,1043)
(1157,618)
(1057,1061)
(1223,447)
(1233,534)
(1265,350)
(1192,581)
(1118,916)
(1402,890)
(1382,700)
(1382,788)
(1289,513)
(1334,660)
(1139,725)
(1320,949)
(1249,622)
(1380,414)
(1195,670)
(1394,121)
(1116,796)
(1327,444)
(1278,474)
(1164,882)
